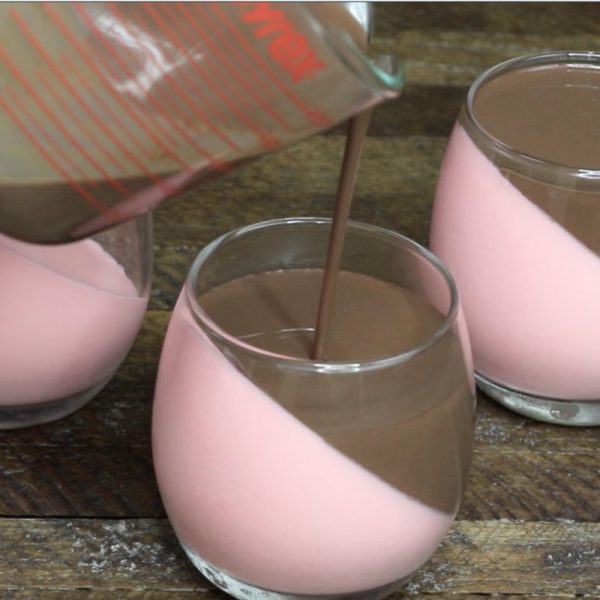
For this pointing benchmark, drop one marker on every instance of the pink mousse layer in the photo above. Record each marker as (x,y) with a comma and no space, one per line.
(68,316)
(529,289)
(254,492)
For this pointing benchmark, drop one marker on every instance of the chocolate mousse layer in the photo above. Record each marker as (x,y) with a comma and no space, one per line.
(409,422)
(550,113)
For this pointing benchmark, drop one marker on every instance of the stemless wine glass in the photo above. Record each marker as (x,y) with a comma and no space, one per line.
(517,221)
(288,477)
(68,314)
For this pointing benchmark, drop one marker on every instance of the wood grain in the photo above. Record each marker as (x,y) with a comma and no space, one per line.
(521,18)
(524,485)
(75,481)
(482,557)
(95,594)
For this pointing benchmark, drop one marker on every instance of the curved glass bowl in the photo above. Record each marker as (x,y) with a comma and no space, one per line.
(69,315)
(515,219)
(287,477)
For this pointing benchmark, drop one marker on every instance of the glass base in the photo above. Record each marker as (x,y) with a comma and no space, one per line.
(27,415)
(580,413)
(245,591)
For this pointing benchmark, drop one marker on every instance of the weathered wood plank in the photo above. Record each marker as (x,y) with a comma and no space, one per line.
(122,554)
(420,110)
(45,593)
(532,486)
(457,58)
(85,482)
(511,17)
(90,594)
(515,558)
(475,558)
(505,431)
(119,482)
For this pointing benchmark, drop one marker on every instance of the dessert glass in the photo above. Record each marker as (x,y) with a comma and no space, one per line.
(288,477)
(516,220)
(69,315)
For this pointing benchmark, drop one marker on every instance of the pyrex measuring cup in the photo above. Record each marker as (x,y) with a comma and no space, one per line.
(109,108)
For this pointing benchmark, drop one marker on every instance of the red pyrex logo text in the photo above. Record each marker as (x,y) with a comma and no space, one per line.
(288,47)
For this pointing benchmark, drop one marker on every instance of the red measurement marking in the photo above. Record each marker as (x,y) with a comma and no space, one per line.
(81,124)
(117,59)
(224,59)
(166,187)
(54,146)
(316,117)
(44,149)
(115,121)
(49,113)
(174,37)
(265,138)
(107,130)
(215,162)
(83,54)
(65,84)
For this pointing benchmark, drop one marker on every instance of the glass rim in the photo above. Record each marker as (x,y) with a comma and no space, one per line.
(231,341)
(535,59)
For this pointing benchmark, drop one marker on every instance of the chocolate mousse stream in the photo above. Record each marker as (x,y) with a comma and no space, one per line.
(357,130)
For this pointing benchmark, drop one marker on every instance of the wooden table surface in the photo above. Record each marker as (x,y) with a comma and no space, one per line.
(80,514)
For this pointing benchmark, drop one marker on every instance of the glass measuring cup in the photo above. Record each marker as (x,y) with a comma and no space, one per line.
(110,108)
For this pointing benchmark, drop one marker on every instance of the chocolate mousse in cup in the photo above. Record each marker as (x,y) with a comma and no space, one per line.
(517,221)
(288,477)
(69,315)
